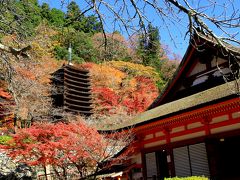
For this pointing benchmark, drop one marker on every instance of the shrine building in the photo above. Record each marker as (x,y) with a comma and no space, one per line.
(193,127)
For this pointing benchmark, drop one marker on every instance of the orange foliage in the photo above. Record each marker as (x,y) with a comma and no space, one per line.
(25,73)
(114,88)
(57,144)
(4,94)
(6,115)
(105,76)
(138,100)
(3,90)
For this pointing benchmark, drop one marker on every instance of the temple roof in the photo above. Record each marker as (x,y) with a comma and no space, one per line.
(193,101)
(233,49)
(203,41)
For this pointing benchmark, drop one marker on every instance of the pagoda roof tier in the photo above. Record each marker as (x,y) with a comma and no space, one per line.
(78,97)
(76,69)
(77,80)
(76,77)
(78,88)
(78,93)
(76,101)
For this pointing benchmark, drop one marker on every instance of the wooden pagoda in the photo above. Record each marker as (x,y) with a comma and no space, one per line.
(72,90)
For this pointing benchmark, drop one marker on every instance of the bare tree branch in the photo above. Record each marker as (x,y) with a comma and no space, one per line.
(16,52)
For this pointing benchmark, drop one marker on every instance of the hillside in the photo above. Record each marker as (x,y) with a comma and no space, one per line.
(125,75)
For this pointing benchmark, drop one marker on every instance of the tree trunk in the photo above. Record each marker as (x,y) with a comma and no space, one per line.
(45,172)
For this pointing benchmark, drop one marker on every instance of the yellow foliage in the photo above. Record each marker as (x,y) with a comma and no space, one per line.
(129,85)
(39,51)
(106,76)
(43,43)
(135,69)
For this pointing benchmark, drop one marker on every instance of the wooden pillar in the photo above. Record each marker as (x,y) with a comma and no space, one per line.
(139,140)
(170,164)
(206,121)
(170,161)
(167,131)
(144,173)
(212,153)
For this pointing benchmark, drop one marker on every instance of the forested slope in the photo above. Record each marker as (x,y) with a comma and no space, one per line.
(127,74)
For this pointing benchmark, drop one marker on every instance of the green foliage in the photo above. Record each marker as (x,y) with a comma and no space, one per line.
(26,15)
(56,18)
(4,139)
(8,16)
(149,47)
(30,12)
(73,12)
(82,47)
(75,19)
(152,54)
(45,11)
(28,140)
(188,178)
(91,25)
(60,52)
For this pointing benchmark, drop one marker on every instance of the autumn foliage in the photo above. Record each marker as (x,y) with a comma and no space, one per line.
(6,106)
(59,145)
(122,86)
(73,148)
(4,94)
(115,49)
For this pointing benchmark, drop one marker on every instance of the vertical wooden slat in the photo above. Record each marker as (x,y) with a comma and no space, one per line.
(199,161)
(181,162)
(151,164)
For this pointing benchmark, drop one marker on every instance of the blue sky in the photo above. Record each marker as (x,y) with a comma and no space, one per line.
(172,34)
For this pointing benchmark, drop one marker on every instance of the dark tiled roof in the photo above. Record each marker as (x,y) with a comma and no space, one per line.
(233,49)
(200,98)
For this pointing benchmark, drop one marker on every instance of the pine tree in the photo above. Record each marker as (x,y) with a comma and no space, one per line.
(149,47)
(45,11)
(80,22)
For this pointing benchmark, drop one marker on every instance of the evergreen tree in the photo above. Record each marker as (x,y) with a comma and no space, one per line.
(78,21)
(56,18)
(141,49)
(82,46)
(152,54)
(74,18)
(153,42)
(45,11)
(92,25)
(30,13)
(149,47)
